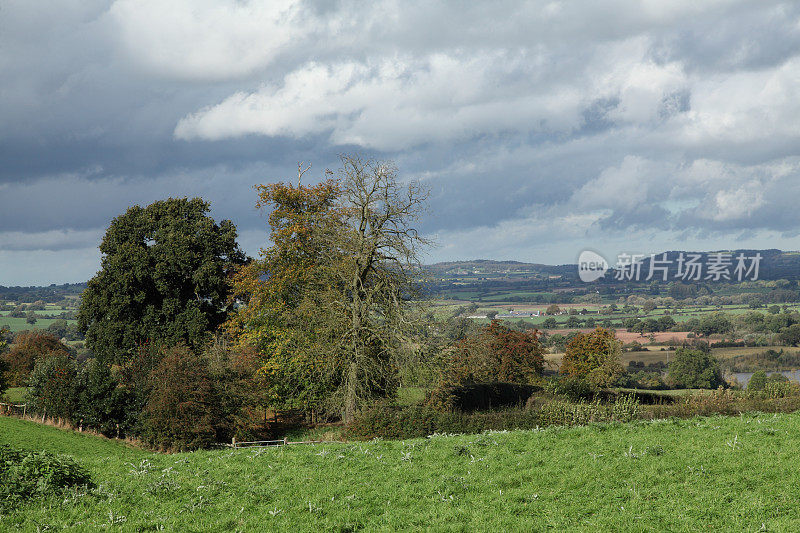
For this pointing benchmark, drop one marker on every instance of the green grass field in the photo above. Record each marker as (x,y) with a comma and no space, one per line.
(734,474)
(16,394)
(20,324)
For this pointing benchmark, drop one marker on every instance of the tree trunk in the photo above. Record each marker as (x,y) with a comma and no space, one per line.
(350,393)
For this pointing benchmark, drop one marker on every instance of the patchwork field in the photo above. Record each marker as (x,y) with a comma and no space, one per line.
(705,473)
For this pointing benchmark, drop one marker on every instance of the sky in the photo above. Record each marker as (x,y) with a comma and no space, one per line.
(540,128)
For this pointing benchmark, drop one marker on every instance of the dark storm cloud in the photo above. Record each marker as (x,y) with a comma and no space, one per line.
(534,124)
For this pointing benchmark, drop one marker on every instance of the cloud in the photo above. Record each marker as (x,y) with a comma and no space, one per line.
(540,126)
(205,40)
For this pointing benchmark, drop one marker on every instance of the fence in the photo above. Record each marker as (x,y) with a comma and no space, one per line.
(13,409)
(266,443)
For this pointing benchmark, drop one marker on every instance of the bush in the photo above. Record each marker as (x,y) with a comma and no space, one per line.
(479,396)
(392,422)
(574,388)
(101,403)
(25,475)
(29,347)
(562,413)
(757,381)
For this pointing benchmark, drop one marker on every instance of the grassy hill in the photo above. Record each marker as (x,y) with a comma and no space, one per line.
(704,473)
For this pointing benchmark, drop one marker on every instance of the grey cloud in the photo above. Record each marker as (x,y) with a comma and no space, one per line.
(513,114)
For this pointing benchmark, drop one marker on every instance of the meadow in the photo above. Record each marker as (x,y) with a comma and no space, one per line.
(734,473)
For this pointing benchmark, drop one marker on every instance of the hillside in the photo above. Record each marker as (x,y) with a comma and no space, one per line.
(705,473)
(775,264)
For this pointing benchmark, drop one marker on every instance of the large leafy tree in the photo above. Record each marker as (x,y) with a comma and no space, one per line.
(328,305)
(280,293)
(695,369)
(497,353)
(163,279)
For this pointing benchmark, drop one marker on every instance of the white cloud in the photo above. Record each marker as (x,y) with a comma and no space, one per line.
(206,39)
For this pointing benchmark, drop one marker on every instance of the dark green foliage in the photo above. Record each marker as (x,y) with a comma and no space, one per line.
(480,396)
(695,369)
(791,335)
(52,386)
(713,323)
(102,404)
(27,475)
(389,422)
(163,279)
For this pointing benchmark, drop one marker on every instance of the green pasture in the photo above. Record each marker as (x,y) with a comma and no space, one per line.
(717,473)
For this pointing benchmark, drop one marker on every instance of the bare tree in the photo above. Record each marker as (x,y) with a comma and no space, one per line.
(378,247)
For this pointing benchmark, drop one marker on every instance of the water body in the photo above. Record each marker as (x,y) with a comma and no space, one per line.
(744,377)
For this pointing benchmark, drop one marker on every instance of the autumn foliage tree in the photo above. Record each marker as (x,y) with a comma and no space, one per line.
(328,304)
(496,354)
(278,294)
(28,348)
(594,357)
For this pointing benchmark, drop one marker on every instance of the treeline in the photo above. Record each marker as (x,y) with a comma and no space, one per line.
(50,294)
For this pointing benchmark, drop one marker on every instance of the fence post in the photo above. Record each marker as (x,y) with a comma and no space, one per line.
(233,442)
(24,407)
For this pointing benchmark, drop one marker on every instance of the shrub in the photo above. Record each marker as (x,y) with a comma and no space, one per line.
(182,409)
(25,475)
(757,381)
(392,422)
(29,347)
(574,388)
(564,413)
(101,403)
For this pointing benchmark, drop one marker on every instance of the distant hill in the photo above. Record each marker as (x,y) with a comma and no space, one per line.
(478,267)
(774,264)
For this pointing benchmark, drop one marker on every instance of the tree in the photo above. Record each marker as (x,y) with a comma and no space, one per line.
(491,315)
(552,309)
(594,357)
(648,306)
(496,354)
(344,263)
(695,369)
(163,279)
(713,323)
(30,347)
(375,280)
(791,335)
(281,294)
(182,408)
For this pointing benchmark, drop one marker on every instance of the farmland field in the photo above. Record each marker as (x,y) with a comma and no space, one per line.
(704,473)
